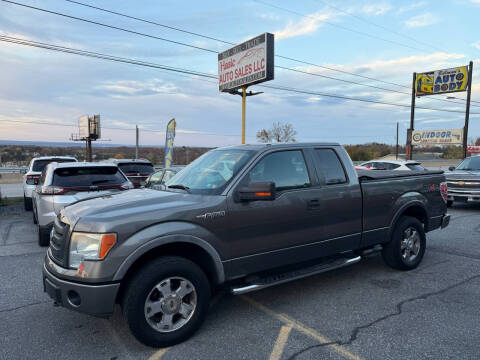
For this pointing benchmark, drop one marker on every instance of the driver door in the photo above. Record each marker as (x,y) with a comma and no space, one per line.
(260,231)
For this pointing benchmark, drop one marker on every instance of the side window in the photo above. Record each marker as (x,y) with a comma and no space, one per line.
(392,166)
(287,169)
(155,178)
(168,175)
(330,166)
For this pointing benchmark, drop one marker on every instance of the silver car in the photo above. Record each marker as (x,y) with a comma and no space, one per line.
(62,184)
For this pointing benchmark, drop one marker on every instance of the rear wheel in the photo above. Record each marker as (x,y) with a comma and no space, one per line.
(406,249)
(449,203)
(166,301)
(34,215)
(43,235)
(27,203)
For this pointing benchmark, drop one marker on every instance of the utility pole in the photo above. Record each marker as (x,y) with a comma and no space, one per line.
(136,141)
(89,149)
(396,148)
(412,121)
(467,111)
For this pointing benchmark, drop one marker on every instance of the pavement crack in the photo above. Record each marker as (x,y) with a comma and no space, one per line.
(24,306)
(398,311)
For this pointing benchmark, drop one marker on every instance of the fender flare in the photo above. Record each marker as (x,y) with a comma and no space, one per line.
(402,209)
(170,239)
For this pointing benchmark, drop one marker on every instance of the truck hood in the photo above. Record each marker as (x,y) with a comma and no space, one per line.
(133,209)
(463,175)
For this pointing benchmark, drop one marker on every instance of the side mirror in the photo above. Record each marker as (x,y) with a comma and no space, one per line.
(256,191)
(452,168)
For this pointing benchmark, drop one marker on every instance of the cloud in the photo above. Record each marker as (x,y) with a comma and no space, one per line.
(376,8)
(476,44)
(307,25)
(422,20)
(137,88)
(411,7)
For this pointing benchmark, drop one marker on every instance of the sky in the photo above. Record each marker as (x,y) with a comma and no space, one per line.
(385,40)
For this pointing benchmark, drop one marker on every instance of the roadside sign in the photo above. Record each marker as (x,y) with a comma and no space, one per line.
(442,81)
(248,63)
(473,148)
(437,137)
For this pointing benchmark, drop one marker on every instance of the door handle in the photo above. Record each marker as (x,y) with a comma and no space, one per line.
(313,203)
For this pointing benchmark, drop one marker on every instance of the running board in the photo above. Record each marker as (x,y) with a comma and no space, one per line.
(262,283)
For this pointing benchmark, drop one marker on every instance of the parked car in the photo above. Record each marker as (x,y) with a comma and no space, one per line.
(30,179)
(158,179)
(62,184)
(393,165)
(283,212)
(136,170)
(464,181)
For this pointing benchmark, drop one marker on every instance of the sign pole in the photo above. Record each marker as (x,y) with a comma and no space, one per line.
(412,119)
(467,111)
(244,103)
(396,148)
(136,141)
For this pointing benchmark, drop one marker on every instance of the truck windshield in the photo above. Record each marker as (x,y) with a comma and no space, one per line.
(472,163)
(212,172)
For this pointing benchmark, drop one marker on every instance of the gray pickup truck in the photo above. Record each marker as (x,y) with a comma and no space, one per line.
(242,218)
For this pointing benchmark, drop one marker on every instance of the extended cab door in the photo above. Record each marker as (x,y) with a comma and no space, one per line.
(264,234)
(340,200)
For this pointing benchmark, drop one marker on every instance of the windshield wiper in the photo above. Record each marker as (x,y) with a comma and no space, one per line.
(179,186)
(100,181)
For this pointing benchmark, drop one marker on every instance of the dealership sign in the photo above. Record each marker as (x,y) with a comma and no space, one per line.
(248,63)
(437,137)
(441,81)
(473,148)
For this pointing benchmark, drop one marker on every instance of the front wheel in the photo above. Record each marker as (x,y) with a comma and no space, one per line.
(43,235)
(166,301)
(407,246)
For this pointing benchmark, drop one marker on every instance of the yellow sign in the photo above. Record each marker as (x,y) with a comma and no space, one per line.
(442,81)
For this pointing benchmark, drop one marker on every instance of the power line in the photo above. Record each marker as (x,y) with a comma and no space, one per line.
(337,25)
(193,46)
(191,72)
(378,25)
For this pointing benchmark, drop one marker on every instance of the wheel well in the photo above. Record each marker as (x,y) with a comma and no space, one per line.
(186,250)
(417,212)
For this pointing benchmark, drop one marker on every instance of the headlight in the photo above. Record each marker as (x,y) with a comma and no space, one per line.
(89,246)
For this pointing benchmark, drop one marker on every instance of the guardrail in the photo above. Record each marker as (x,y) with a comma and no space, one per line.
(20,170)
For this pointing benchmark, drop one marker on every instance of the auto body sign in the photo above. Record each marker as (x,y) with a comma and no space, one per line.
(437,137)
(248,63)
(442,81)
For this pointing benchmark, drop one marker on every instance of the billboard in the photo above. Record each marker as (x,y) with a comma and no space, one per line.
(248,63)
(437,137)
(83,129)
(169,137)
(442,81)
(95,127)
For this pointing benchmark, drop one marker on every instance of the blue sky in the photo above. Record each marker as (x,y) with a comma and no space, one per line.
(43,86)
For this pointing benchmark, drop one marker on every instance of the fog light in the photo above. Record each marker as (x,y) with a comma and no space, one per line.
(74,298)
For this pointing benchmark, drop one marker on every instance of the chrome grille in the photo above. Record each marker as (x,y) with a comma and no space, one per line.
(59,242)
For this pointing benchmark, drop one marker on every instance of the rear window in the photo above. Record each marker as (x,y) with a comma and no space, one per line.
(414,167)
(141,168)
(88,176)
(330,167)
(39,165)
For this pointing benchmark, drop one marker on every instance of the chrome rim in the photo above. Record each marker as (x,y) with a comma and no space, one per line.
(170,304)
(410,245)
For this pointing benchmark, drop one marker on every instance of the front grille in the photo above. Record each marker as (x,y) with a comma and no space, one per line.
(59,242)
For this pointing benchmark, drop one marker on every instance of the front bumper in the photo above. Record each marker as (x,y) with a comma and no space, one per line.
(96,300)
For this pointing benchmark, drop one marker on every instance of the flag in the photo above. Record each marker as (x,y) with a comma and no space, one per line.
(170,135)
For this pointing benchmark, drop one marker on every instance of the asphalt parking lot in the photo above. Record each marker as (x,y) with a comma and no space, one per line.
(366,311)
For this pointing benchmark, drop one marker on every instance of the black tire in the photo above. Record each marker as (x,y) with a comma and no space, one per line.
(27,203)
(34,215)
(392,253)
(449,203)
(141,285)
(44,235)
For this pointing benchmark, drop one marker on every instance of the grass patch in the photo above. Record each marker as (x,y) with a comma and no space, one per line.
(10,201)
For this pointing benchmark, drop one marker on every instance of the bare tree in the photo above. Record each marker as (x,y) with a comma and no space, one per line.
(477,142)
(279,133)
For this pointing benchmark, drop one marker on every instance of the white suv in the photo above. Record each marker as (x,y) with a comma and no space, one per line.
(61,184)
(30,179)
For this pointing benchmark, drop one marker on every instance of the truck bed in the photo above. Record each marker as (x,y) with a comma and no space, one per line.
(369,175)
